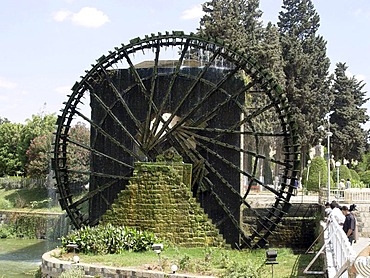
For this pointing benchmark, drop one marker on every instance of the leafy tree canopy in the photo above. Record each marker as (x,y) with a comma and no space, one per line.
(306,66)
(10,163)
(41,124)
(349,138)
(39,154)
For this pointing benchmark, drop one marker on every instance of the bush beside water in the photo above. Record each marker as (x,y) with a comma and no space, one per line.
(109,239)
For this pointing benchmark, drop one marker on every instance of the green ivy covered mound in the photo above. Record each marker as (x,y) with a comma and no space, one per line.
(109,239)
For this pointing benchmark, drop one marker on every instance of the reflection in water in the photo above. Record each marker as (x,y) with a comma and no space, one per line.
(21,257)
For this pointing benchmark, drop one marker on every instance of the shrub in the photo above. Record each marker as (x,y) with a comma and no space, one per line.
(5,204)
(354,175)
(344,172)
(317,174)
(365,177)
(109,239)
(358,184)
(246,270)
(6,231)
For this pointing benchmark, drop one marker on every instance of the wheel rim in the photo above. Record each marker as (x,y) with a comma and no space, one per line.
(213,114)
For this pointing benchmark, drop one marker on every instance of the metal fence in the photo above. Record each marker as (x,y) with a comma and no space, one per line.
(346,196)
(18,183)
(340,254)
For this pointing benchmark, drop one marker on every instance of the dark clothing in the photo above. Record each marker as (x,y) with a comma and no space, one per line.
(349,223)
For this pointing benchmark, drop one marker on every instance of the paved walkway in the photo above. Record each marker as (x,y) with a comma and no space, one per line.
(360,244)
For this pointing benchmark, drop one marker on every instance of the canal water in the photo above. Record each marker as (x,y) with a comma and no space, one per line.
(22,257)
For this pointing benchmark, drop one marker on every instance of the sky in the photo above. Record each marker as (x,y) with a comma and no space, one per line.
(46,45)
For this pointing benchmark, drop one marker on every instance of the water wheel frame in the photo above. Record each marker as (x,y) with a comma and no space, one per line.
(267,87)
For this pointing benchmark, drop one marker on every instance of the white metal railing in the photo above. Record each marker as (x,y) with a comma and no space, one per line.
(347,196)
(339,252)
(357,195)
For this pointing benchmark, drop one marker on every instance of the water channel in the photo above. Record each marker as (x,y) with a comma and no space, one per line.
(22,257)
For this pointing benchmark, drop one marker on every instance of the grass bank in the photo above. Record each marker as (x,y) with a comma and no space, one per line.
(209,261)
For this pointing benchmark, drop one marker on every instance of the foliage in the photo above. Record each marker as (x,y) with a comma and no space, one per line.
(365,177)
(3,120)
(344,172)
(30,226)
(317,174)
(245,270)
(238,22)
(363,169)
(306,67)
(10,162)
(349,138)
(354,175)
(358,184)
(78,153)
(364,164)
(6,231)
(33,226)
(38,273)
(109,239)
(211,261)
(5,204)
(41,124)
(39,155)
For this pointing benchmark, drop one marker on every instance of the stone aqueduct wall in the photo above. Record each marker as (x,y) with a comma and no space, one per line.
(297,230)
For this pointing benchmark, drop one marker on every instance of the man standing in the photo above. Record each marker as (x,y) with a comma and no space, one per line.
(349,224)
(348,184)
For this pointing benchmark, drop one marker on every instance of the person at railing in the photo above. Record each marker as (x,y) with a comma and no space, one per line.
(352,210)
(328,209)
(348,184)
(349,224)
(341,187)
(337,213)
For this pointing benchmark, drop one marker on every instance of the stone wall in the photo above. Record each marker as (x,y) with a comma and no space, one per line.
(297,230)
(363,220)
(39,225)
(158,200)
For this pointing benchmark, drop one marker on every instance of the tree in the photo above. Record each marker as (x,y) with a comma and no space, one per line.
(237,22)
(317,174)
(270,53)
(39,155)
(364,164)
(306,67)
(4,120)
(10,163)
(41,124)
(78,154)
(349,138)
(40,151)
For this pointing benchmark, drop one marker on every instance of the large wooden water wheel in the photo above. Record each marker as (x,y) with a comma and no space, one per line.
(213,104)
